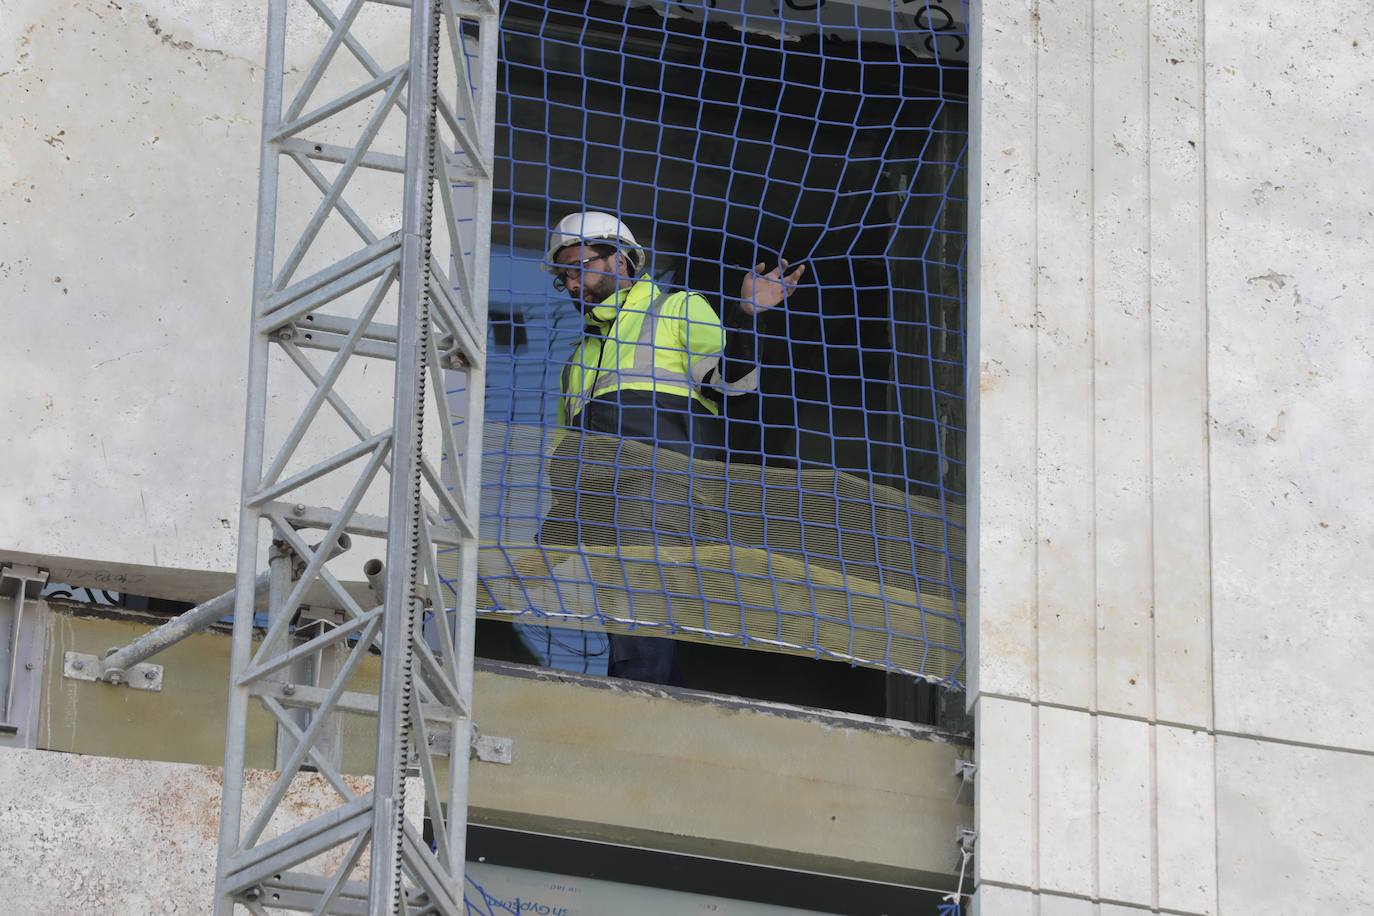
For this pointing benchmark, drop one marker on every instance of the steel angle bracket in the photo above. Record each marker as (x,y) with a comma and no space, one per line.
(21,584)
(966,771)
(82,667)
(483,748)
(966,839)
(490,749)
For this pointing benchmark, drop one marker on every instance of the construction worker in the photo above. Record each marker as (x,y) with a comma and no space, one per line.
(652,366)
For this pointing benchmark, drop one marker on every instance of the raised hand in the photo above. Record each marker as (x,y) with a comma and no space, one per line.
(760,291)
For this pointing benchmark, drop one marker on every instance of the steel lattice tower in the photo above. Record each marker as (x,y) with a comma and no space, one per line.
(361,250)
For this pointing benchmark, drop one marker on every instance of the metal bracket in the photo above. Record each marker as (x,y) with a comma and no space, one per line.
(492,750)
(964,771)
(81,667)
(965,838)
(17,699)
(483,747)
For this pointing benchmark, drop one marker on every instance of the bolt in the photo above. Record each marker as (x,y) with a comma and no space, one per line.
(288,689)
(150,675)
(78,665)
(28,666)
(116,678)
(298,509)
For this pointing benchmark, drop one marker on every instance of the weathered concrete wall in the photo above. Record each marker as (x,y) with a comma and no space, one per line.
(1173,499)
(128,837)
(1290,209)
(128,188)
(1290,206)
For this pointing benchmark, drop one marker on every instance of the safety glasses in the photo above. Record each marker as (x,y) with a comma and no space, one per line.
(561,272)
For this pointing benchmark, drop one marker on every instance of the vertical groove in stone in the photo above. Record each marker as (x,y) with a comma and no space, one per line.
(1178,368)
(1003,297)
(1064,427)
(1121,345)
(1108,367)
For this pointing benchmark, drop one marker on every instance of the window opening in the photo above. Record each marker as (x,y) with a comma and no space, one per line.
(828,134)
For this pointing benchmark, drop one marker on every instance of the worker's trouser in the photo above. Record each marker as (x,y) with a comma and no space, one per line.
(620,497)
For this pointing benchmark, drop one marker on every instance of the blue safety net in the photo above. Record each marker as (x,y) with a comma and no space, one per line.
(678,459)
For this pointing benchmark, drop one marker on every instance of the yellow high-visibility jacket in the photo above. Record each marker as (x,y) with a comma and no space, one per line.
(647,339)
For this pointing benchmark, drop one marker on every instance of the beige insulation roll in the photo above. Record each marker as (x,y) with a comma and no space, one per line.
(807,561)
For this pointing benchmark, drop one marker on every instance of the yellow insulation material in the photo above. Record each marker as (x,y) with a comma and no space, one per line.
(808,561)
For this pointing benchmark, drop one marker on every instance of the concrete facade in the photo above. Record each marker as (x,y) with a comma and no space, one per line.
(128,190)
(1172,622)
(1171,285)
(123,837)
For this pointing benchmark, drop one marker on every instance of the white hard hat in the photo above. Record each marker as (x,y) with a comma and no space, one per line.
(593,227)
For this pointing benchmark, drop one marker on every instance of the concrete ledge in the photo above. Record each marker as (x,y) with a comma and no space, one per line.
(119,836)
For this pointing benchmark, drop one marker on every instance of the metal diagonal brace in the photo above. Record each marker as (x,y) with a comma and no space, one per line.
(122,665)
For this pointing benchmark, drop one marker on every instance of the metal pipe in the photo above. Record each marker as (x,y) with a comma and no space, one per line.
(280,567)
(375,571)
(116,663)
(255,416)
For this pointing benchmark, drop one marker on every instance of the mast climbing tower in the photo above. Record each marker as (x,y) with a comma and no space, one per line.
(386,260)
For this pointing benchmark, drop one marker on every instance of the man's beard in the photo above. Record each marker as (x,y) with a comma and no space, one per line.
(595,292)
